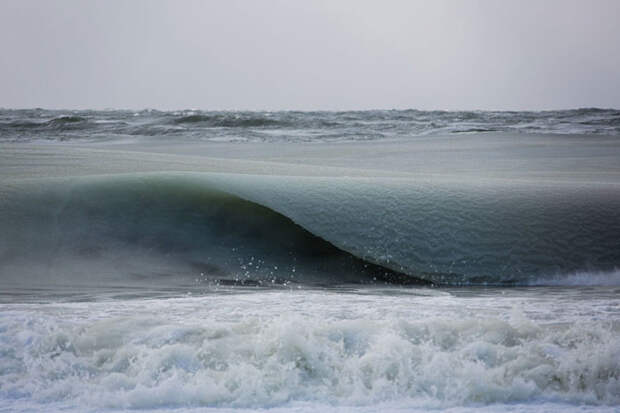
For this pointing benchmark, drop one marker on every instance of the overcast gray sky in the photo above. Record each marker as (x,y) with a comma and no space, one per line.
(229,54)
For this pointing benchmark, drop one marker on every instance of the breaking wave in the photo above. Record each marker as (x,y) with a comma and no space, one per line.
(256,229)
(172,228)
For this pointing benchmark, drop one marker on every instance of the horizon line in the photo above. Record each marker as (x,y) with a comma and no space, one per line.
(187,109)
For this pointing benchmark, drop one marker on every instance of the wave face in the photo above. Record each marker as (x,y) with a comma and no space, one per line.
(177,228)
(88,125)
(455,232)
(164,229)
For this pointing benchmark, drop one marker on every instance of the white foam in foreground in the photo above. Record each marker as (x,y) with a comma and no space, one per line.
(302,351)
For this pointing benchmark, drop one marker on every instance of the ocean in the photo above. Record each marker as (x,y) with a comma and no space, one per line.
(362,261)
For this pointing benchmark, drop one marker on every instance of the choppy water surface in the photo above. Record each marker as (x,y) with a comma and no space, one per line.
(39,124)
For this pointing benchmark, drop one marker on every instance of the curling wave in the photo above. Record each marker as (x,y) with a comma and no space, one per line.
(244,228)
(169,229)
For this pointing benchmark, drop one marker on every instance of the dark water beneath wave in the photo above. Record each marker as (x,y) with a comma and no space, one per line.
(40,124)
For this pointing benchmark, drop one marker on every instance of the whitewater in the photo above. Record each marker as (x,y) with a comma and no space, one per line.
(309,261)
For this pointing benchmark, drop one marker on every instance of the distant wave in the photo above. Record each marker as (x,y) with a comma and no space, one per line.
(229,121)
(472,130)
(57,123)
(66,119)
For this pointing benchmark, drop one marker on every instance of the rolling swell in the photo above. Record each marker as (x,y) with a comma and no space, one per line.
(165,231)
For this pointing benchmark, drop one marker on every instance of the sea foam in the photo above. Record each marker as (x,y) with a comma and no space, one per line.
(276,349)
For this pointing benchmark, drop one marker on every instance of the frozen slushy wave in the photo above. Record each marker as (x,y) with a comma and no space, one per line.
(75,356)
(302,229)
(164,231)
